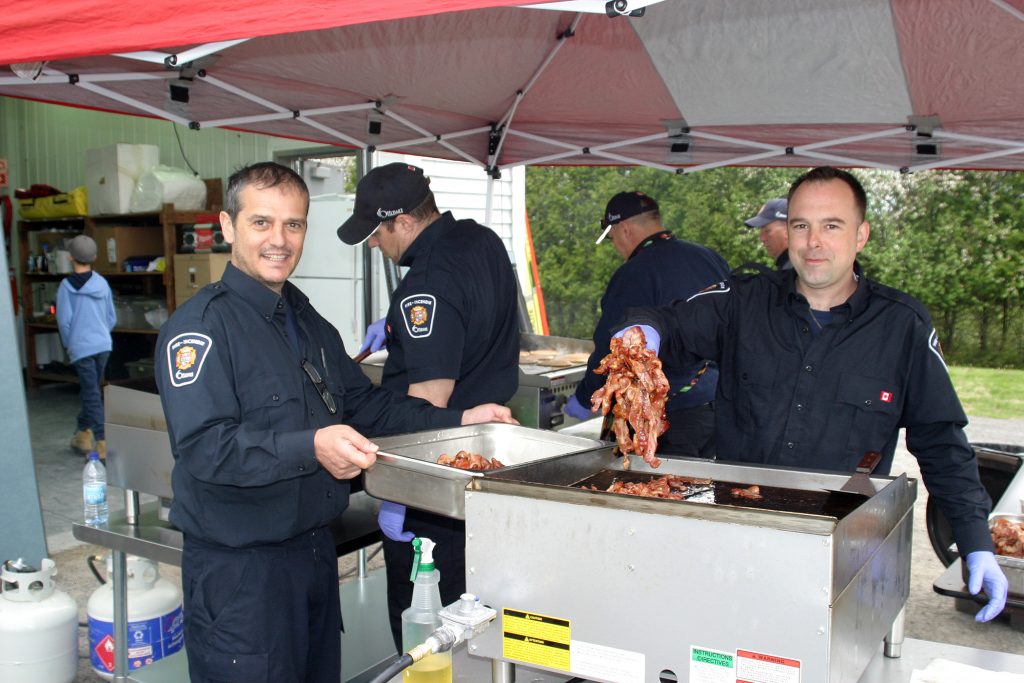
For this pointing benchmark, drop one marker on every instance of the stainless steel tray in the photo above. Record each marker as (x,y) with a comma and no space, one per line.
(406,470)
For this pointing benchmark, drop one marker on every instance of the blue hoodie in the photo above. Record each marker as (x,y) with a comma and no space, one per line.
(85,317)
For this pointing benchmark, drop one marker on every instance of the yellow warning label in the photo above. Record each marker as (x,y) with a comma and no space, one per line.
(535,639)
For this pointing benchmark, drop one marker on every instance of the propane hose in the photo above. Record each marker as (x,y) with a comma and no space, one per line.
(441,640)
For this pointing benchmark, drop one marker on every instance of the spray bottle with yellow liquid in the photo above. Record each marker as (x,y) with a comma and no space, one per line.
(421,619)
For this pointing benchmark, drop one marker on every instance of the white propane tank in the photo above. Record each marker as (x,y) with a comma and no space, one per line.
(155,627)
(38,626)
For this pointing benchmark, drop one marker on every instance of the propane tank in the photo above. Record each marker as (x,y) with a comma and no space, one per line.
(38,626)
(155,627)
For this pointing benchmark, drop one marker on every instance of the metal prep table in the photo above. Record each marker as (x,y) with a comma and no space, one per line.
(139,460)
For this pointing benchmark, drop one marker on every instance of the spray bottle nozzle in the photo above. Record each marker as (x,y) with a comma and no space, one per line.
(422,556)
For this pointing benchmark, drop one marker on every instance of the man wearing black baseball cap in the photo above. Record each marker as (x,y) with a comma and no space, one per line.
(452,334)
(658,270)
(771,221)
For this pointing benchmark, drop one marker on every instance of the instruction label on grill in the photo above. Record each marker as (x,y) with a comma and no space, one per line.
(711,666)
(535,639)
(607,663)
(757,667)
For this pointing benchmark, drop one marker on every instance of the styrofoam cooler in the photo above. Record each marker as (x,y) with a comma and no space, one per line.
(111,173)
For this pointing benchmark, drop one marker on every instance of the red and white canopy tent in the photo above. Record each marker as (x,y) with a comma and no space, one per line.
(694,84)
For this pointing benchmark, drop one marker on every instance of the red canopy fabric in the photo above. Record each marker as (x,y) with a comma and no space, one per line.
(694,84)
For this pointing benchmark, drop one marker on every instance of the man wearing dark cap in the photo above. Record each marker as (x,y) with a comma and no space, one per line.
(452,336)
(771,220)
(85,317)
(658,270)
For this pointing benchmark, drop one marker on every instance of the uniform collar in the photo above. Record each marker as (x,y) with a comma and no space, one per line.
(651,239)
(261,297)
(426,239)
(850,308)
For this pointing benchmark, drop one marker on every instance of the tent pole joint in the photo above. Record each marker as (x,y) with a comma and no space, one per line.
(73,79)
(193,125)
(790,151)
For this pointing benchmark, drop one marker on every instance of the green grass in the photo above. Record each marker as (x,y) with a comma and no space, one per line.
(988,392)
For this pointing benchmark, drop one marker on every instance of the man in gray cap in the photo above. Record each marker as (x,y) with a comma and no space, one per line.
(771,220)
(85,317)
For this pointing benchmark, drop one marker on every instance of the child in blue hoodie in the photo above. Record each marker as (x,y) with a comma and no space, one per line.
(85,317)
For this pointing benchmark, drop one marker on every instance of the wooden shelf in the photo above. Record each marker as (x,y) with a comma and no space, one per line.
(154,284)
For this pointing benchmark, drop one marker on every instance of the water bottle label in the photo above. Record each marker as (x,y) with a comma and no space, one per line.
(95,494)
(148,640)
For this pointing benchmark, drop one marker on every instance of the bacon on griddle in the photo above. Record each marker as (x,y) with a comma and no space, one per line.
(464,460)
(752,492)
(639,388)
(669,486)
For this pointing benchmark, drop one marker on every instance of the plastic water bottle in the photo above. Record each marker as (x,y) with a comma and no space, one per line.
(421,619)
(94,491)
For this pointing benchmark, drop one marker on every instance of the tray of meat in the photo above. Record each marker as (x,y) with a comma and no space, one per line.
(430,470)
(1008,539)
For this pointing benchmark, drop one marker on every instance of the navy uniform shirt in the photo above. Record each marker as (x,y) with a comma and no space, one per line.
(788,396)
(241,412)
(660,270)
(454,315)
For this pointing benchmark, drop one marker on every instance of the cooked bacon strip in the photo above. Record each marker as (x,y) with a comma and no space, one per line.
(669,486)
(639,388)
(464,460)
(750,493)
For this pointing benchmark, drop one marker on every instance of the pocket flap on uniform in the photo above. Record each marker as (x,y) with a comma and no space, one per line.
(869,393)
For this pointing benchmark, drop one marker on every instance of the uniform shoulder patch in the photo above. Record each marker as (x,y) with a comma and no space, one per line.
(717,288)
(186,354)
(418,313)
(936,347)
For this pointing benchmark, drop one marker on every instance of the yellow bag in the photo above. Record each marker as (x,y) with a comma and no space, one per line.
(64,205)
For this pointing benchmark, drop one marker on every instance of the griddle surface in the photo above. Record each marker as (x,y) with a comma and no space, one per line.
(835,504)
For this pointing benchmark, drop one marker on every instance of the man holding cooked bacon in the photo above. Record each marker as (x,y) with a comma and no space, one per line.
(820,365)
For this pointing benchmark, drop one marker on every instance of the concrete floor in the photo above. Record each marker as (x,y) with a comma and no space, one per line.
(52,411)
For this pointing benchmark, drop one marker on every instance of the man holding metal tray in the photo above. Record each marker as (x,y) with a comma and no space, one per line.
(266,415)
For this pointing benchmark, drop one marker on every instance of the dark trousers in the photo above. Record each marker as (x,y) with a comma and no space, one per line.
(90,376)
(449,559)
(269,614)
(691,433)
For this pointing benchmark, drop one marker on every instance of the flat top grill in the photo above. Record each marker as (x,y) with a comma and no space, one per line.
(835,504)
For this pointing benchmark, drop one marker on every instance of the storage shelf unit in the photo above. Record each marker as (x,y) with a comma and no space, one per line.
(161,231)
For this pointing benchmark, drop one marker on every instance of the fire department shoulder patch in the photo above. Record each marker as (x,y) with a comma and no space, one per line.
(186,354)
(418,314)
(935,347)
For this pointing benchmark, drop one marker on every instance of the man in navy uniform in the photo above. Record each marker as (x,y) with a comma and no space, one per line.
(452,334)
(820,365)
(266,415)
(659,269)
(771,221)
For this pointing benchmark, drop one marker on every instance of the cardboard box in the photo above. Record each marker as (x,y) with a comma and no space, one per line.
(192,272)
(114,244)
(111,173)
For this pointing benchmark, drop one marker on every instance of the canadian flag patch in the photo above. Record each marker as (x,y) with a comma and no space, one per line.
(885,396)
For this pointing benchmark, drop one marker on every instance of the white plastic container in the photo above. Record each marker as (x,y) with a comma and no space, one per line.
(38,628)
(155,626)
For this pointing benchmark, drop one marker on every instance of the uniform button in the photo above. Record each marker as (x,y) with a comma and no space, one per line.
(280,305)
(267,318)
(799,407)
(790,445)
(330,494)
(276,397)
(804,329)
(311,412)
(302,468)
(809,368)
(867,402)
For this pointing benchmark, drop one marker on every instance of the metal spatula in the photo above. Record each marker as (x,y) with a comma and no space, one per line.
(860,482)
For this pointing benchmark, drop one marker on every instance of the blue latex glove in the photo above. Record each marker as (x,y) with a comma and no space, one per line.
(391,520)
(573,408)
(984,571)
(650,334)
(375,338)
